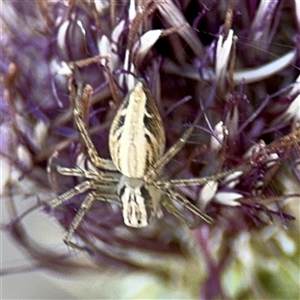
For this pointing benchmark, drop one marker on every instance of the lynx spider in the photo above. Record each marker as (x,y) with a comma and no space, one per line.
(133,178)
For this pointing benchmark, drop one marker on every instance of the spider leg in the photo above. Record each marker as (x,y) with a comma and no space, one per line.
(186,203)
(107,197)
(78,189)
(85,206)
(201,180)
(83,95)
(169,206)
(95,60)
(77,172)
(172,151)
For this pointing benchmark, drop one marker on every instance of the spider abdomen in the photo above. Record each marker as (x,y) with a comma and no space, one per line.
(137,136)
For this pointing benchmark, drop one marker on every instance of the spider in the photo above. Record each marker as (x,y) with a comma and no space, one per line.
(133,178)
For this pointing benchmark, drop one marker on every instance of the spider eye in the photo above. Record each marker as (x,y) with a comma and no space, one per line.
(145,194)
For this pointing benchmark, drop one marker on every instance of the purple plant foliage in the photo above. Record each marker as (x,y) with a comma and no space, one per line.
(39,37)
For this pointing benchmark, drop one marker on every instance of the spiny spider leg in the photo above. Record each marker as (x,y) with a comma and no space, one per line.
(78,189)
(114,177)
(84,208)
(97,59)
(169,206)
(78,172)
(172,151)
(165,184)
(84,92)
(186,203)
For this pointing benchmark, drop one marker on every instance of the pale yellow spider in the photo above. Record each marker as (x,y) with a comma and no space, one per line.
(133,178)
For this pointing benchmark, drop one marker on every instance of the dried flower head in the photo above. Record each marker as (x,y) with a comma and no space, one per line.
(226,61)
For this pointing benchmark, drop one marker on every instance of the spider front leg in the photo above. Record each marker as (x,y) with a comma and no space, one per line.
(77,190)
(169,206)
(164,159)
(165,184)
(194,209)
(112,177)
(78,173)
(186,203)
(82,97)
(84,208)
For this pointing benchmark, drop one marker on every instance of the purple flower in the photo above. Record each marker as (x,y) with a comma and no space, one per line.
(246,87)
